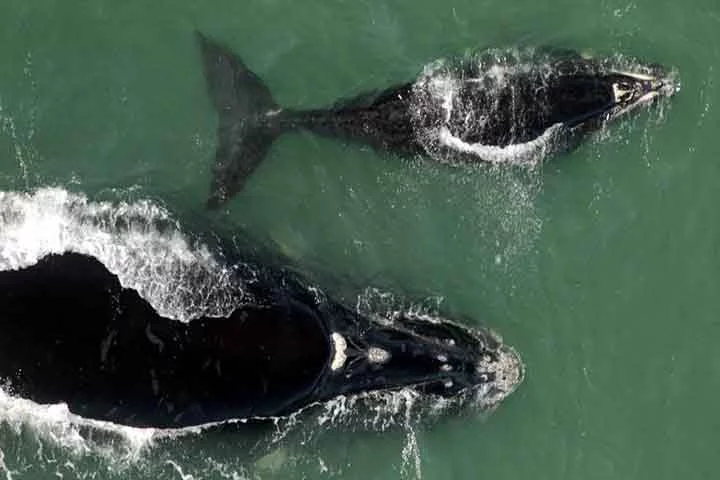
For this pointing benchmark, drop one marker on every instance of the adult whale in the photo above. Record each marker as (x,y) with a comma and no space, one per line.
(505,106)
(69,332)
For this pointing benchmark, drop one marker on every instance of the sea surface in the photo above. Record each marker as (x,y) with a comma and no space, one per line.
(601,266)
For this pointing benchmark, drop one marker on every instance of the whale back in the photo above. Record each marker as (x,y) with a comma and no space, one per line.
(527,108)
(69,332)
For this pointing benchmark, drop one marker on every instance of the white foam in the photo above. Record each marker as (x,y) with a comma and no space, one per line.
(437,91)
(531,152)
(57,424)
(4,468)
(139,242)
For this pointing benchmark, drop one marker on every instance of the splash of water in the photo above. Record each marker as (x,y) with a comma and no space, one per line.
(139,242)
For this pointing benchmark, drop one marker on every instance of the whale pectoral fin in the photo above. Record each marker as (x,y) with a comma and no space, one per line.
(247,119)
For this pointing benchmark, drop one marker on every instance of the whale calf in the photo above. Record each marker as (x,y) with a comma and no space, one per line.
(506,106)
(69,332)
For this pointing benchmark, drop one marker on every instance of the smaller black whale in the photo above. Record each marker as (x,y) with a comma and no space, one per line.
(507,107)
(70,333)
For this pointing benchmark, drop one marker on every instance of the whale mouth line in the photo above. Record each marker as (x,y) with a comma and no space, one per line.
(635,75)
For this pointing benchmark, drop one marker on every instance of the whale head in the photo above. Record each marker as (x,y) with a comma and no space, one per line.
(592,92)
(430,355)
(632,90)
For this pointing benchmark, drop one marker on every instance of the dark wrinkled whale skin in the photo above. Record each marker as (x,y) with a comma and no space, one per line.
(565,90)
(69,332)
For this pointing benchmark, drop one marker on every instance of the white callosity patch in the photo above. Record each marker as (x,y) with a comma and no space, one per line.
(508,372)
(139,242)
(378,355)
(339,351)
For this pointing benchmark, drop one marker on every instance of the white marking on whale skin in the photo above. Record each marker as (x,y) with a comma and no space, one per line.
(531,152)
(154,339)
(619,93)
(339,355)
(105,347)
(378,355)
(508,374)
(644,100)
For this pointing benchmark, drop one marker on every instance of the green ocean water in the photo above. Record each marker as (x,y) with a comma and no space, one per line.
(600,267)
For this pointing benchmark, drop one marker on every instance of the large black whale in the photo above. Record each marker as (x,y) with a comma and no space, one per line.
(69,332)
(506,106)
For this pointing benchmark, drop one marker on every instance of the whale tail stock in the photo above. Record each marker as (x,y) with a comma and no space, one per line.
(247,123)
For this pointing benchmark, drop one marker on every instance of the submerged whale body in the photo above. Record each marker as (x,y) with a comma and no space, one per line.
(69,332)
(505,106)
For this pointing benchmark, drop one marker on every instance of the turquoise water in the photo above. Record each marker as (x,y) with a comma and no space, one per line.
(601,267)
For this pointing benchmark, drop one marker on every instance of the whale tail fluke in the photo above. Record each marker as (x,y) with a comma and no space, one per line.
(246,126)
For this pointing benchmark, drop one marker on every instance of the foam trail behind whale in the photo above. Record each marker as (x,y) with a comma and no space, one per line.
(139,242)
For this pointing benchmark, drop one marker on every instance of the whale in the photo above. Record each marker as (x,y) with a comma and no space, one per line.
(514,106)
(71,333)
